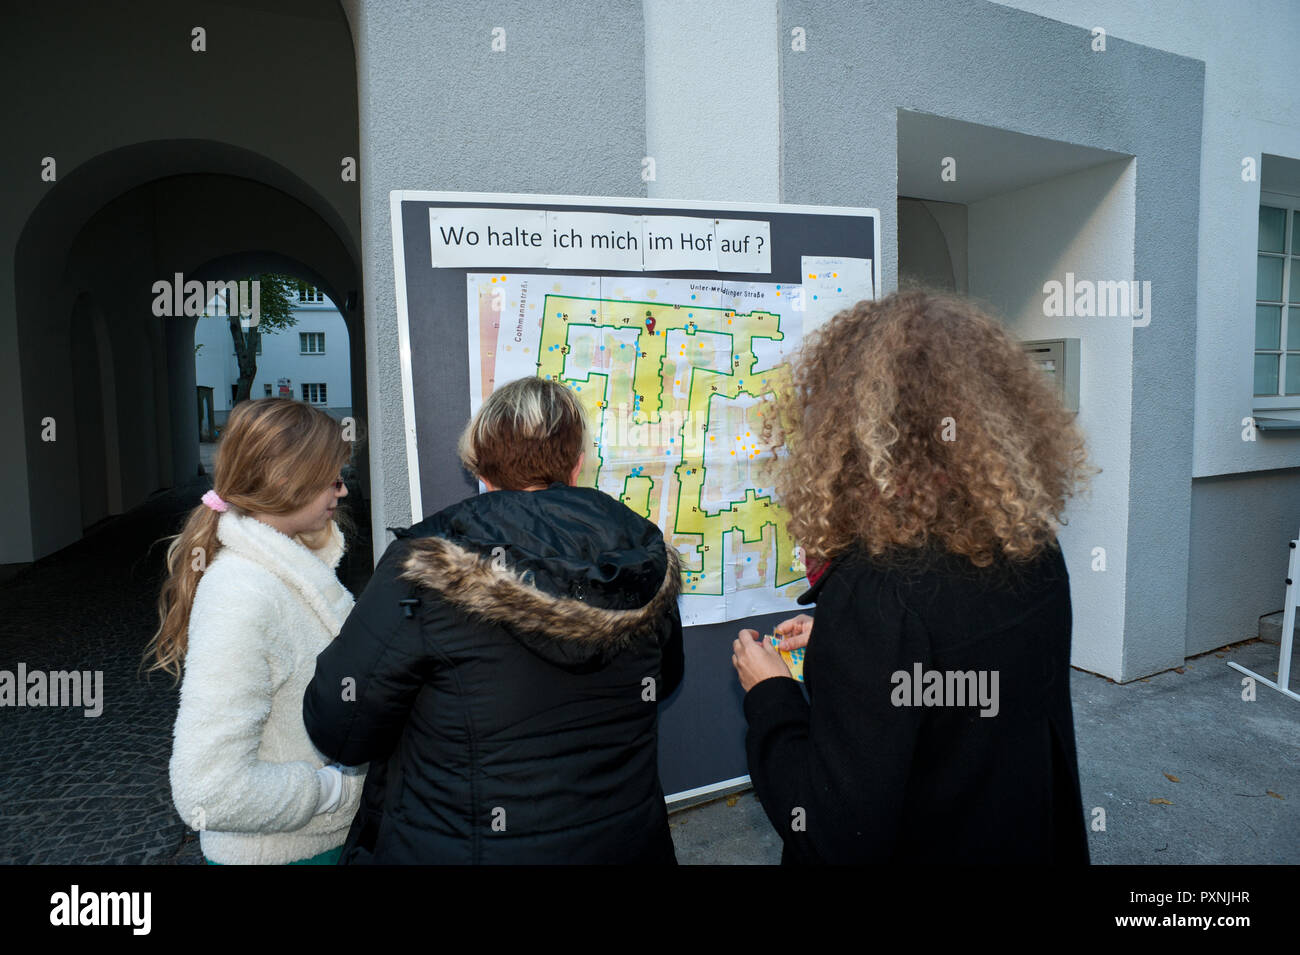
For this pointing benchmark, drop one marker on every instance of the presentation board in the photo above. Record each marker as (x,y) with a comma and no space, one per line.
(673,322)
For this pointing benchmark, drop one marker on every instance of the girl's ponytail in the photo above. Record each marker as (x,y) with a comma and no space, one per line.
(187,558)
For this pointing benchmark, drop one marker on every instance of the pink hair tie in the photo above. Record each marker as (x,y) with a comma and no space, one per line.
(214,501)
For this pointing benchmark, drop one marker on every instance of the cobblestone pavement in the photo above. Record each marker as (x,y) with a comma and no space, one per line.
(93,790)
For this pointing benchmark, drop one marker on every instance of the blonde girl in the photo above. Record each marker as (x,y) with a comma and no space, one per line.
(250,599)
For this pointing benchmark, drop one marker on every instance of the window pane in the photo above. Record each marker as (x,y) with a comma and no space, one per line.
(1268,326)
(1266,374)
(1292,329)
(1293,374)
(1268,279)
(1272,229)
(1293,294)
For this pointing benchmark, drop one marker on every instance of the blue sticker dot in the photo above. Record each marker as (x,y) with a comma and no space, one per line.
(593,311)
(839,290)
(602,347)
(622,346)
(814,298)
(748,559)
(668,452)
(557,314)
(692,586)
(672,440)
(692,297)
(579,387)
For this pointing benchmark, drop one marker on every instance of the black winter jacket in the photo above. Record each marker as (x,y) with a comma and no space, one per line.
(859,777)
(506,660)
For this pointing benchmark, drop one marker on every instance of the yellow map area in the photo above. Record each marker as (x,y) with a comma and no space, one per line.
(674,396)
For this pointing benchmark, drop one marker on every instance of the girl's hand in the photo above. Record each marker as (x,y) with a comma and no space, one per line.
(756,660)
(794,632)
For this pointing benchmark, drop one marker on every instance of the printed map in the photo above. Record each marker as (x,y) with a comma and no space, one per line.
(673,375)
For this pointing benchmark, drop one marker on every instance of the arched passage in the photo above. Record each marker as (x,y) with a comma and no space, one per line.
(95,246)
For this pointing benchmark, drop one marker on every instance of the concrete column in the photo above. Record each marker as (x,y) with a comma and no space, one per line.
(181,399)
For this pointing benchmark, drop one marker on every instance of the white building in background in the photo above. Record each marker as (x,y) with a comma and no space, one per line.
(308,361)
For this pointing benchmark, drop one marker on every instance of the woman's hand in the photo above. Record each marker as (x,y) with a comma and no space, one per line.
(756,660)
(794,632)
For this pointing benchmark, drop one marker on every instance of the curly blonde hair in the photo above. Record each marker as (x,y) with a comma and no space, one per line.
(917,422)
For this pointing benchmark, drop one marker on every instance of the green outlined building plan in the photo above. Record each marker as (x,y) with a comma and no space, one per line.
(675,376)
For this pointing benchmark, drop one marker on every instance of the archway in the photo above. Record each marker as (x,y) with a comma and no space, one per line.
(109,231)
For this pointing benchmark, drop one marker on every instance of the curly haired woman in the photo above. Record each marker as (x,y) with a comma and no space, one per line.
(929,465)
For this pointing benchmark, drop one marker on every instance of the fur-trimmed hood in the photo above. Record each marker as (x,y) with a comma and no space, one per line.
(570,572)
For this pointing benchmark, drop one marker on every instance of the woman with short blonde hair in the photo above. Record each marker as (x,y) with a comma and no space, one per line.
(928,469)
(528,635)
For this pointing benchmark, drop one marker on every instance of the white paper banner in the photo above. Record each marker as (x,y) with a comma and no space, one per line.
(539,238)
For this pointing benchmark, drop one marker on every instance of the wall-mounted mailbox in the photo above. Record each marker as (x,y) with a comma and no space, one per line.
(1059,360)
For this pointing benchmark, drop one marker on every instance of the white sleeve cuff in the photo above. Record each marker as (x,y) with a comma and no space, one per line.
(331,786)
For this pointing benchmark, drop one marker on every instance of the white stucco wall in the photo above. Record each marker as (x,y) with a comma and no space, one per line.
(713,99)
(1082,223)
(1251,108)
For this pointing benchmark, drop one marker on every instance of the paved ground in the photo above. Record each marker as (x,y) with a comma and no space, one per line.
(1234,798)
(79,790)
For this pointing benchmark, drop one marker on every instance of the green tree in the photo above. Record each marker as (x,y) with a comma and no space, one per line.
(275,312)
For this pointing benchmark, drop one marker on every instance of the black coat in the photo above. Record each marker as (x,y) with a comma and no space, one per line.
(849,776)
(512,717)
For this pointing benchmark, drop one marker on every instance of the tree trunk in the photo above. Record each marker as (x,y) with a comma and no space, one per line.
(246,354)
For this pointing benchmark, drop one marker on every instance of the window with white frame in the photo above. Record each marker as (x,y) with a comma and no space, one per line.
(266,391)
(313,392)
(309,294)
(311,343)
(1277,299)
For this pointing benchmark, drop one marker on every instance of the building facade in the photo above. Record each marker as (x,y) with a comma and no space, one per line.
(308,361)
(1011,148)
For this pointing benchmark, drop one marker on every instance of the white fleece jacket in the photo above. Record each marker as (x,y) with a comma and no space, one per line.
(243,770)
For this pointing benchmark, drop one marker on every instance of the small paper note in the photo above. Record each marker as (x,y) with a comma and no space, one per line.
(832,283)
(793,658)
